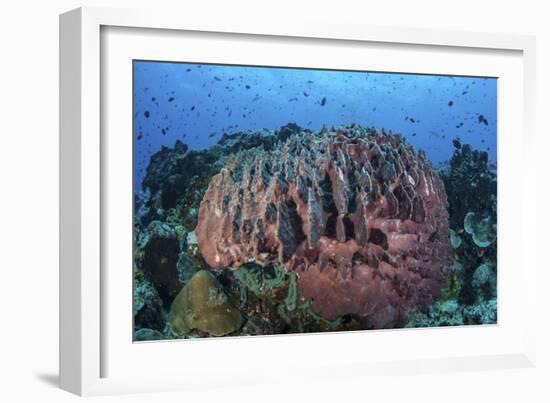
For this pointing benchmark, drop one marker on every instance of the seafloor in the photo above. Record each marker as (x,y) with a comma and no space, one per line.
(177,294)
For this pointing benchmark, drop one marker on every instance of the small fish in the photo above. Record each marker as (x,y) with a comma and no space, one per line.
(293,99)
(306,94)
(163,131)
(323,101)
(146,114)
(188,70)
(193,108)
(211,135)
(171,99)
(464,92)
(217,78)
(412,120)
(456,143)
(140,136)
(483,119)
(247,87)
(309,82)
(450,103)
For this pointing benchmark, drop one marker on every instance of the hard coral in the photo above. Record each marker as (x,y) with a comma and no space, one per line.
(203,305)
(356,213)
(482,229)
(160,248)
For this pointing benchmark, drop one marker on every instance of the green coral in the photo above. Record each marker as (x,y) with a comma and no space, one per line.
(258,279)
(181,232)
(456,240)
(482,275)
(482,229)
(441,313)
(146,334)
(185,267)
(484,312)
(292,295)
(451,286)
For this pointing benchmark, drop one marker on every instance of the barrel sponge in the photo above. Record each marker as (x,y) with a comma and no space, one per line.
(203,305)
(356,213)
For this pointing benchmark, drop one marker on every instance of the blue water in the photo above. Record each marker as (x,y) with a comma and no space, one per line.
(198,103)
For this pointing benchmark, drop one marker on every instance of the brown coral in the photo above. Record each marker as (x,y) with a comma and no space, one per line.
(203,305)
(356,213)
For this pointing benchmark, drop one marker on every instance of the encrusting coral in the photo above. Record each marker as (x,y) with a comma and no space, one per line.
(203,305)
(356,213)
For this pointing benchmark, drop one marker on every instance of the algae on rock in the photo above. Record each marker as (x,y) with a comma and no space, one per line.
(203,305)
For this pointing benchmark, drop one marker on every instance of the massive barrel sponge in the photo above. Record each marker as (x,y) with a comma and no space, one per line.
(356,213)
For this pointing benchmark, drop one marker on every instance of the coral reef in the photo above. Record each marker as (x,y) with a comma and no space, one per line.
(259,280)
(484,313)
(484,280)
(160,247)
(470,182)
(456,240)
(356,213)
(321,241)
(203,305)
(442,313)
(147,304)
(482,229)
(145,334)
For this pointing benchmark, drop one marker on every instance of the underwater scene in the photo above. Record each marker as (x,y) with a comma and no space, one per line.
(274,200)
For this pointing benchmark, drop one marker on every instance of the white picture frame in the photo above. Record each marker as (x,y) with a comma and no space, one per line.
(87,344)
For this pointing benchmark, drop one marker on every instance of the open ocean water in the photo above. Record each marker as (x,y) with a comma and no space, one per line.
(197,103)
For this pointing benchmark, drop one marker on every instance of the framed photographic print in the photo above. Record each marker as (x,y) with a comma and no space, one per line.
(230,192)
